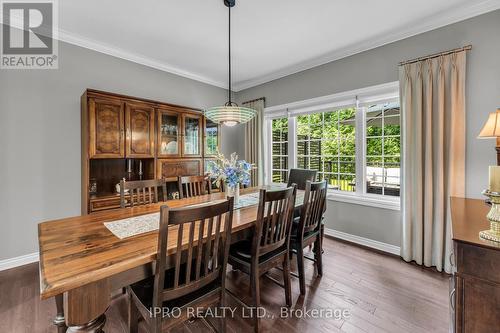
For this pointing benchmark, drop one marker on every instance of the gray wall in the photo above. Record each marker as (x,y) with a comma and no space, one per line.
(40,133)
(370,222)
(380,66)
(40,121)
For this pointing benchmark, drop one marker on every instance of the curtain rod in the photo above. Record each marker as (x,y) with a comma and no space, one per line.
(255,100)
(460,49)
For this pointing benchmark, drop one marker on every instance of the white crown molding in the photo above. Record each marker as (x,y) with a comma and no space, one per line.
(18,261)
(75,39)
(384,247)
(433,22)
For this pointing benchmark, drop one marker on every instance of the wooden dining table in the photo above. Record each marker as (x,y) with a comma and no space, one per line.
(82,262)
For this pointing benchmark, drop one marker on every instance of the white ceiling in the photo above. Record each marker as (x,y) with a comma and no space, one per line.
(271,39)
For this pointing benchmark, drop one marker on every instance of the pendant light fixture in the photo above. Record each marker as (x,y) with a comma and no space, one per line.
(230,113)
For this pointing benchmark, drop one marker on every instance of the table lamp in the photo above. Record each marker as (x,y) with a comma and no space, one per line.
(492,130)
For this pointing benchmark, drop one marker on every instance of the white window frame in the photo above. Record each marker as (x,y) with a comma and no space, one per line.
(359,98)
(268,149)
(269,154)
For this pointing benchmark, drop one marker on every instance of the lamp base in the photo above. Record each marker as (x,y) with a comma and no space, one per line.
(494,217)
(490,235)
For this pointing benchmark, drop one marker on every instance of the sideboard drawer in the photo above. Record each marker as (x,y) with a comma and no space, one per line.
(171,169)
(478,261)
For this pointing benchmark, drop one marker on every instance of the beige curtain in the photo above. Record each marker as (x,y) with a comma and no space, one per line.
(433,101)
(254,145)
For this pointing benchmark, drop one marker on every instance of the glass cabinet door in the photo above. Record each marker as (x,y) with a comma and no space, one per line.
(192,135)
(211,138)
(168,133)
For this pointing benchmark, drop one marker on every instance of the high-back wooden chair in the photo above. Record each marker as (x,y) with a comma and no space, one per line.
(191,186)
(308,228)
(142,192)
(200,237)
(300,177)
(269,246)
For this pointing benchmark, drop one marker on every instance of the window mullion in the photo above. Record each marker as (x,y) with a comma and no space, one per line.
(292,143)
(360,151)
(384,170)
(268,152)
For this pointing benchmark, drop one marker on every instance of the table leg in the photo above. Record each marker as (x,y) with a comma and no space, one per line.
(85,306)
(59,320)
(95,326)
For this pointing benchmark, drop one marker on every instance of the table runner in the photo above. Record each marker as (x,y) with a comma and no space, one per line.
(150,222)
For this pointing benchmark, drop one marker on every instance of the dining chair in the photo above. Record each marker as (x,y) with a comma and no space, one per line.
(141,192)
(201,237)
(191,186)
(269,246)
(308,229)
(300,177)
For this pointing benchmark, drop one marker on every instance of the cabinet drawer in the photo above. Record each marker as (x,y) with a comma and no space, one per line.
(478,261)
(171,169)
(104,204)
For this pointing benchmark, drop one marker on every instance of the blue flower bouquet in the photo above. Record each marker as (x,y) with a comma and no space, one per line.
(232,172)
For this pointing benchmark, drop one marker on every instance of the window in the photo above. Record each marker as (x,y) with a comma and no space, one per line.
(326,142)
(352,139)
(279,157)
(383,149)
(211,138)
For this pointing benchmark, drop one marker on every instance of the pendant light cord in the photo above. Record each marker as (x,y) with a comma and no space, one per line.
(229,90)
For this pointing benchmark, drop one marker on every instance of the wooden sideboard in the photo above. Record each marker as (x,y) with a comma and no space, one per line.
(123,133)
(475,297)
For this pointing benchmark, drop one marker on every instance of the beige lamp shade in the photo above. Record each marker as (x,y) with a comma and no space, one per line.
(492,127)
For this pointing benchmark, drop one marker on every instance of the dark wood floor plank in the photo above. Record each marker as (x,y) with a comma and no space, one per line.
(382,293)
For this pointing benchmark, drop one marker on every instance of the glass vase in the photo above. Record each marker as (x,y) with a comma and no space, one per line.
(234,191)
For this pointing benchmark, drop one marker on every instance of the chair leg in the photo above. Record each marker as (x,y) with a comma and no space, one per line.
(322,236)
(223,323)
(322,233)
(254,285)
(300,267)
(133,316)
(156,326)
(319,254)
(286,279)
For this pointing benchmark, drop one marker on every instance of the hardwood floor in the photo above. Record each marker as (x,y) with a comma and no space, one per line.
(381,294)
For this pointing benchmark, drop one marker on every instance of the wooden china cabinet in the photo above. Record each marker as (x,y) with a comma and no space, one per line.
(106,126)
(140,131)
(135,138)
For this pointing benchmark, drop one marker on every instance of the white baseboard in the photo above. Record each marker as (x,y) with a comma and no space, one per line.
(18,261)
(384,247)
(33,257)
